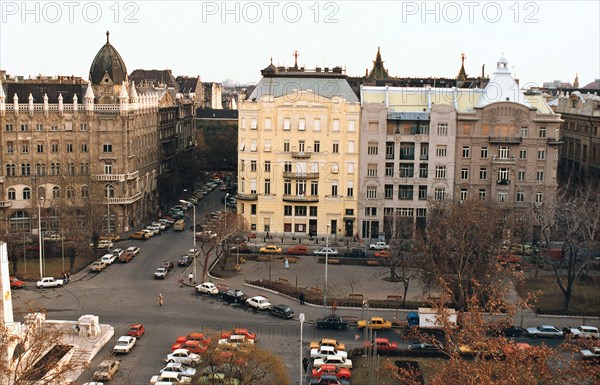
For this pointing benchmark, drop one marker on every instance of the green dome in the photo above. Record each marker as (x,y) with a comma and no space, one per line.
(108,61)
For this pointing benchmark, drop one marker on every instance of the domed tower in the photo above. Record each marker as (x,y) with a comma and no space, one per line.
(107,74)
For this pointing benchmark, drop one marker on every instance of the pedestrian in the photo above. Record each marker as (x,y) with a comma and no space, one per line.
(286,264)
(301,298)
(160,300)
(191,276)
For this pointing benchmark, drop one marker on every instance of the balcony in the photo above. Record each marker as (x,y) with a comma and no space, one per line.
(498,160)
(300,198)
(408,156)
(5,203)
(505,140)
(503,182)
(555,141)
(133,175)
(125,201)
(301,155)
(300,175)
(247,197)
(110,177)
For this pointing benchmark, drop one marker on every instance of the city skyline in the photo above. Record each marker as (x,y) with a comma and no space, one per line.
(234,40)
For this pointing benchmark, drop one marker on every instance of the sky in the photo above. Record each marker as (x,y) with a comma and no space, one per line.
(218,40)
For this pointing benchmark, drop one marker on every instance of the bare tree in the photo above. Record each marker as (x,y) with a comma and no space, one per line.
(352,280)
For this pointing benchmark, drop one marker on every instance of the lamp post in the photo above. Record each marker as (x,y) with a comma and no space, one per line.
(40,247)
(301,318)
(193,234)
(326,263)
(225,201)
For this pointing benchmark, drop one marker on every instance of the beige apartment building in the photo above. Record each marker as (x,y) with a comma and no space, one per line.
(298,153)
(495,144)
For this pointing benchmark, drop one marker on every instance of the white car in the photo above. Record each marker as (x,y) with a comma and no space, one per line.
(336,360)
(47,282)
(174,367)
(149,233)
(259,302)
(109,259)
(160,273)
(160,225)
(379,246)
(170,378)
(325,351)
(326,250)
(124,344)
(117,252)
(207,288)
(155,229)
(103,244)
(133,250)
(183,356)
(585,331)
(236,341)
(545,331)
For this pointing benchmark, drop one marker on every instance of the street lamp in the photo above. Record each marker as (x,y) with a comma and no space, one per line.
(193,234)
(40,247)
(301,318)
(225,201)
(326,260)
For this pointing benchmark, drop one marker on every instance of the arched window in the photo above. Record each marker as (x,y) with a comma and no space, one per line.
(25,169)
(109,191)
(85,191)
(20,220)
(71,168)
(26,193)
(40,169)
(55,192)
(11,169)
(11,194)
(41,192)
(70,192)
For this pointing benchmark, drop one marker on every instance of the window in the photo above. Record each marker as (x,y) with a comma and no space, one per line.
(520,196)
(267,166)
(314,187)
(300,227)
(542,132)
(287,187)
(54,147)
(10,148)
(370,211)
(11,194)
(542,154)
(463,194)
(464,174)
(372,170)
(253,209)
(85,191)
(26,193)
(313,211)
(267,123)
(286,124)
(9,127)
(389,169)
(407,170)
(84,168)
(301,125)
(300,211)
(371,192)
(71,169)
(107,147)
(503,152)
(335,125)
(350,190)
(389,150)
(482,173)
(253,166)
(25,148)
(442,129)
(84,147)
(524,132)
(484,152)
(523,153)
(286,146)
(25,169)
(69,147)
(301,145)
(422,193)
(242,145)
(351,147)
(441,151)
(83,127)
(439,194)
(440,172)
(53,128)
(70,192)
(521,176)
(253,124)
(466,152)
(317,146)
(539,197)
(351,126)
(502,195)
(287,167)
(40,148)
(287,210)
(107,168)
(301,187)
(11,169)
(317,125)
(334,190)
(539,176)
(481,194)
(253,145)
(389,191)
(372,149)
(40,169)
(242,165)
(24,127)
(55,192)
(405,192)
(424,151)
(336,148)
(503,174)
(423,170)
(373,127)
(267,145)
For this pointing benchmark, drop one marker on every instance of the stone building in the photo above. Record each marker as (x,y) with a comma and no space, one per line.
(66,140)
(298,152)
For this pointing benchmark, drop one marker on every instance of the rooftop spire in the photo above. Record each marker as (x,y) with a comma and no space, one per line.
(378,72)
(296,54)
(107,35)
(462,74)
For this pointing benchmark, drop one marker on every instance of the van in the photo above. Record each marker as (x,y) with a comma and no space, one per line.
(179,225)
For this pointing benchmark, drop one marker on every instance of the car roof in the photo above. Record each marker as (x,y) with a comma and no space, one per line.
(327,347)
(585,327)
(381,339)
(548,326)
(181,351)
(376,318)
(125,338)
(259,297)
(135,326)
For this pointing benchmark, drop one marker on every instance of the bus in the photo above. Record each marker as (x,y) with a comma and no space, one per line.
(179,225)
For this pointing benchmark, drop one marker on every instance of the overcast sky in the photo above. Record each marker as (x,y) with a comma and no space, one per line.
(542,40)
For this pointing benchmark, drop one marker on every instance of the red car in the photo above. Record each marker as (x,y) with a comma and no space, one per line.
(169,265)
(193,346)
(193,337)
(126,257)
(329,369)
(383,346)
(15,283)
(382,254)
(136,330)
(239,331)
(298,250)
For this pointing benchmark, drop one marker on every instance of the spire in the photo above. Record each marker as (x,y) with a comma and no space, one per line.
(378,72)
(123,94)
(133,93)
(107,37)
(296,54)
(575,83)
(462,74)
(89,93)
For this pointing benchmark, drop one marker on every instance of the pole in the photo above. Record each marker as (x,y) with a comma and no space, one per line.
(326,263)
(194,235)
(40,235)
(225,202)
(107,213)
(301,317)
(62,246)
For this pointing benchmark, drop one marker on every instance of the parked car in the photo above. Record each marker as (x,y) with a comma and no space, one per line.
(169,265)
(233,295)
(193,346)
(423,346)
(136,330)
(509,331)
(155,229)
(126,257)
(183,356)
(104,244)
(195,336)
(375,323)
(207,288)
(590,354)
(585,331)
(326,250)
(270,249)
(383,254)
(379,246)
(332,322)
(47,282)
(106,370)
(298,250)
(108,259)
(98,266)
(184,261)
(327,342)
(133,250)
(259,302)
(383,346)
(160,273)
(170,378)
(547,331)
(124,344)
(148,233)
(341,373)
(328,379)
(175,367)
(239,331)
(283,311)
(138,235)
(336,360)
(110,237)
(16,283)
(241,248)
(355,253)
(325,351)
